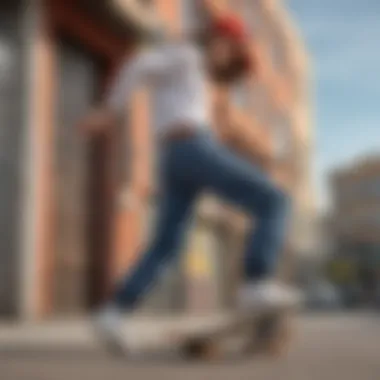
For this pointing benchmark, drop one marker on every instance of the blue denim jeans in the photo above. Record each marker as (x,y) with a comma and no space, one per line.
(188,168)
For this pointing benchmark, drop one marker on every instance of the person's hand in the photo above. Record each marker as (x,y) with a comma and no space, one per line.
(141,187)
(135,193)
(97,120)
(141,16)
(127,199)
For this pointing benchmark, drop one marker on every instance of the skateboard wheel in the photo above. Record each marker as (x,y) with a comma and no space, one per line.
(199,349)
(277,333)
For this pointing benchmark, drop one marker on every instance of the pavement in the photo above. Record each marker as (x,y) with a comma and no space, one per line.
(326,346)
(143,332)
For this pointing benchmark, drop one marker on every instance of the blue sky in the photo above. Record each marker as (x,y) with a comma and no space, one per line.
(343,38)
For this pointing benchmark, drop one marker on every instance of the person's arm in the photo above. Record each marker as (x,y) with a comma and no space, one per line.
(133,74)
(112,107)
(146,67)
(140,15)
(215,8)
(235,129)
(127,95)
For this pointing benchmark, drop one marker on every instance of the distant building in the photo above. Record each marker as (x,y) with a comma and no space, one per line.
(356,205)
(355,217)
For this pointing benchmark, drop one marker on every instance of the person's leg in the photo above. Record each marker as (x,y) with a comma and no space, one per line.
(231,177)
(249,188)
(266,239)
(174,210)
(213,167)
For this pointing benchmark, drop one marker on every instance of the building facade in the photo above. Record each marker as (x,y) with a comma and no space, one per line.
(355,222)
(56,58)
(65,238)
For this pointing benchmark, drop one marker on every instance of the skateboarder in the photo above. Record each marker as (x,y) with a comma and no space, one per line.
(193,161)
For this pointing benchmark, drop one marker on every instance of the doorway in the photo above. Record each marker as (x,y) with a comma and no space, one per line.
(77,169)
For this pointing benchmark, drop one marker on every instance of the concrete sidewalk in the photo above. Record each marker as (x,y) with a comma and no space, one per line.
(147,332)
(142,331)
(326,346)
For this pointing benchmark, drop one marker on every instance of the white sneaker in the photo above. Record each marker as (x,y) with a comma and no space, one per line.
(267,294)
(108,324)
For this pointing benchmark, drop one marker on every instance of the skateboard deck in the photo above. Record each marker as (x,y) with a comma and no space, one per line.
(266,331)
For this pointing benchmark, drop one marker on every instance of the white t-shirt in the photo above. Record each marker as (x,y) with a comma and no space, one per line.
(175,74)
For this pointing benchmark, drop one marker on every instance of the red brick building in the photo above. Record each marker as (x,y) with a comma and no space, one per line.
(61,55)
(63,238)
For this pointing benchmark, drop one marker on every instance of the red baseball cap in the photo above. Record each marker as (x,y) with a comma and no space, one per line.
(232,27)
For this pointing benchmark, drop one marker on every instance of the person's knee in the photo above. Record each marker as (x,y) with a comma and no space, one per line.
(167,243)
(282,199)
(277,202)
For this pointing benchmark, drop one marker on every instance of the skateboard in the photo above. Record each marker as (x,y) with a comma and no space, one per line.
(265,331)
